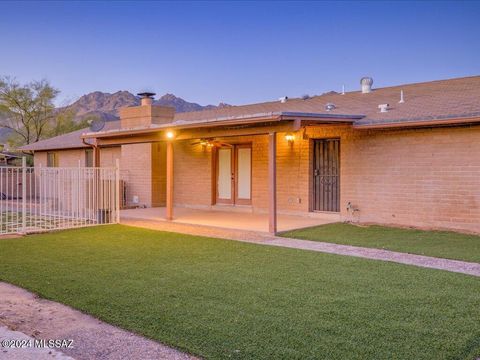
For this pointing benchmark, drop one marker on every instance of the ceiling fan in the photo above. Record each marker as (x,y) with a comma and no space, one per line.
(210,143)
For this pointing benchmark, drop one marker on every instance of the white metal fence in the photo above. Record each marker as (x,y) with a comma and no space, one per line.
(52,198)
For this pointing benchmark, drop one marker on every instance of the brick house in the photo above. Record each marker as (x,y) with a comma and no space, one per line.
(405,155)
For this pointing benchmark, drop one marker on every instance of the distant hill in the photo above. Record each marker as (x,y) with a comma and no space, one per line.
(106,105)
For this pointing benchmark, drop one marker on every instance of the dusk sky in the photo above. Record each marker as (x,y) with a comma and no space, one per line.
(236,52)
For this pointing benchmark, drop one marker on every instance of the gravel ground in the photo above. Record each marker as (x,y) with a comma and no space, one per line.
(93,339)
(267,239)
(25,350)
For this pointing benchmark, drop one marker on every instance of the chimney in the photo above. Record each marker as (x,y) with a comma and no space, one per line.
(366,83)
(146,98)
(146,114)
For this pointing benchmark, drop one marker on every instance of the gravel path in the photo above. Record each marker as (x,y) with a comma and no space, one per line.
(267,239)
(25,350)
(93,339)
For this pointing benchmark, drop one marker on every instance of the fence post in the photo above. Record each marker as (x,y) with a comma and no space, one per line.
(24,194)
(118,192)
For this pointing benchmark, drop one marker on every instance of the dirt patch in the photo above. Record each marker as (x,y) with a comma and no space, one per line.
(24,348)
(23,311)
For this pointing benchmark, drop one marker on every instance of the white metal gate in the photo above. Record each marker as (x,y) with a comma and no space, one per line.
(52,198)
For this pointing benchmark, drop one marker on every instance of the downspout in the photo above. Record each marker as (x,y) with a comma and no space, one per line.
(96,152)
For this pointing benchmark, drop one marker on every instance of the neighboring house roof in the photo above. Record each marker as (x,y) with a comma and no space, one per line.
(423,102)
(9,155)
(71,140)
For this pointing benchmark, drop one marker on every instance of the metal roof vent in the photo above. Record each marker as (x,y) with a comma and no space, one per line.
(366,83)
(330,107)
(384,107)
(402,100)
(283,99)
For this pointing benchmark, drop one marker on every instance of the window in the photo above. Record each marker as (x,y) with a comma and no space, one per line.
(89,158)
(52,159)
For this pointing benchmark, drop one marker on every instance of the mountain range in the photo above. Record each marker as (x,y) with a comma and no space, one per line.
(106,106)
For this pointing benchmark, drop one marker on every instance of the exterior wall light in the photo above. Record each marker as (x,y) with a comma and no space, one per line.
(170,135)
(290,138)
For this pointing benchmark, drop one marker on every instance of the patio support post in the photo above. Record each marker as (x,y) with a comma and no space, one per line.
(169,210)
(272,183)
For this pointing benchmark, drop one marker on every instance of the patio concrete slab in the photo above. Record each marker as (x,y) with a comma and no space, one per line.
(230,218)
(267,239)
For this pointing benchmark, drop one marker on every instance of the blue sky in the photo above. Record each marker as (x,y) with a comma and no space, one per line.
(236,52)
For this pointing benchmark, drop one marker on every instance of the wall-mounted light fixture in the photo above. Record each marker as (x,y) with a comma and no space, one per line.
(290,138)
(170,135)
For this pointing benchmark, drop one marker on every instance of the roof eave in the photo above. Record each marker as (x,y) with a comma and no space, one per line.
(419,123)
(228,121)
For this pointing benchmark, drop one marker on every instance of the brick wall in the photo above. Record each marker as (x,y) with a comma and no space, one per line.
(159,179)
(136,165)
(66,158)
(192,174)
(143,169)
(71,158)
(108,156)
(426,178)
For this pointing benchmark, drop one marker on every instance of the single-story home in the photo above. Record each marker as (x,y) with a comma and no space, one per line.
(404,155)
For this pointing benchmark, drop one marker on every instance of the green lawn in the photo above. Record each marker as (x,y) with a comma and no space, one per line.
(227,299)
(444,244)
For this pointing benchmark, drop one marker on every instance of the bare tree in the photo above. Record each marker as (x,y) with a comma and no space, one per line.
(28,109)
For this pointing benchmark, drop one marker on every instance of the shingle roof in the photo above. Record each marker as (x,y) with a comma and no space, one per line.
(71,140)
(430,100)
(435,100)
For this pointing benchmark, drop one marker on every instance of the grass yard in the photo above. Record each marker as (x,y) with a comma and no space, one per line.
(227,299)
(444,244)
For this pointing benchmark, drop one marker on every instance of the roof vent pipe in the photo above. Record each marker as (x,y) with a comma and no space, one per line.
(383,107)
(402,100)
(146,98)
(330,107)
(366,83)
(283,99)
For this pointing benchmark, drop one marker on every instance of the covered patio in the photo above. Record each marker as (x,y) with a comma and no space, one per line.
(237,220)
(219,163)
